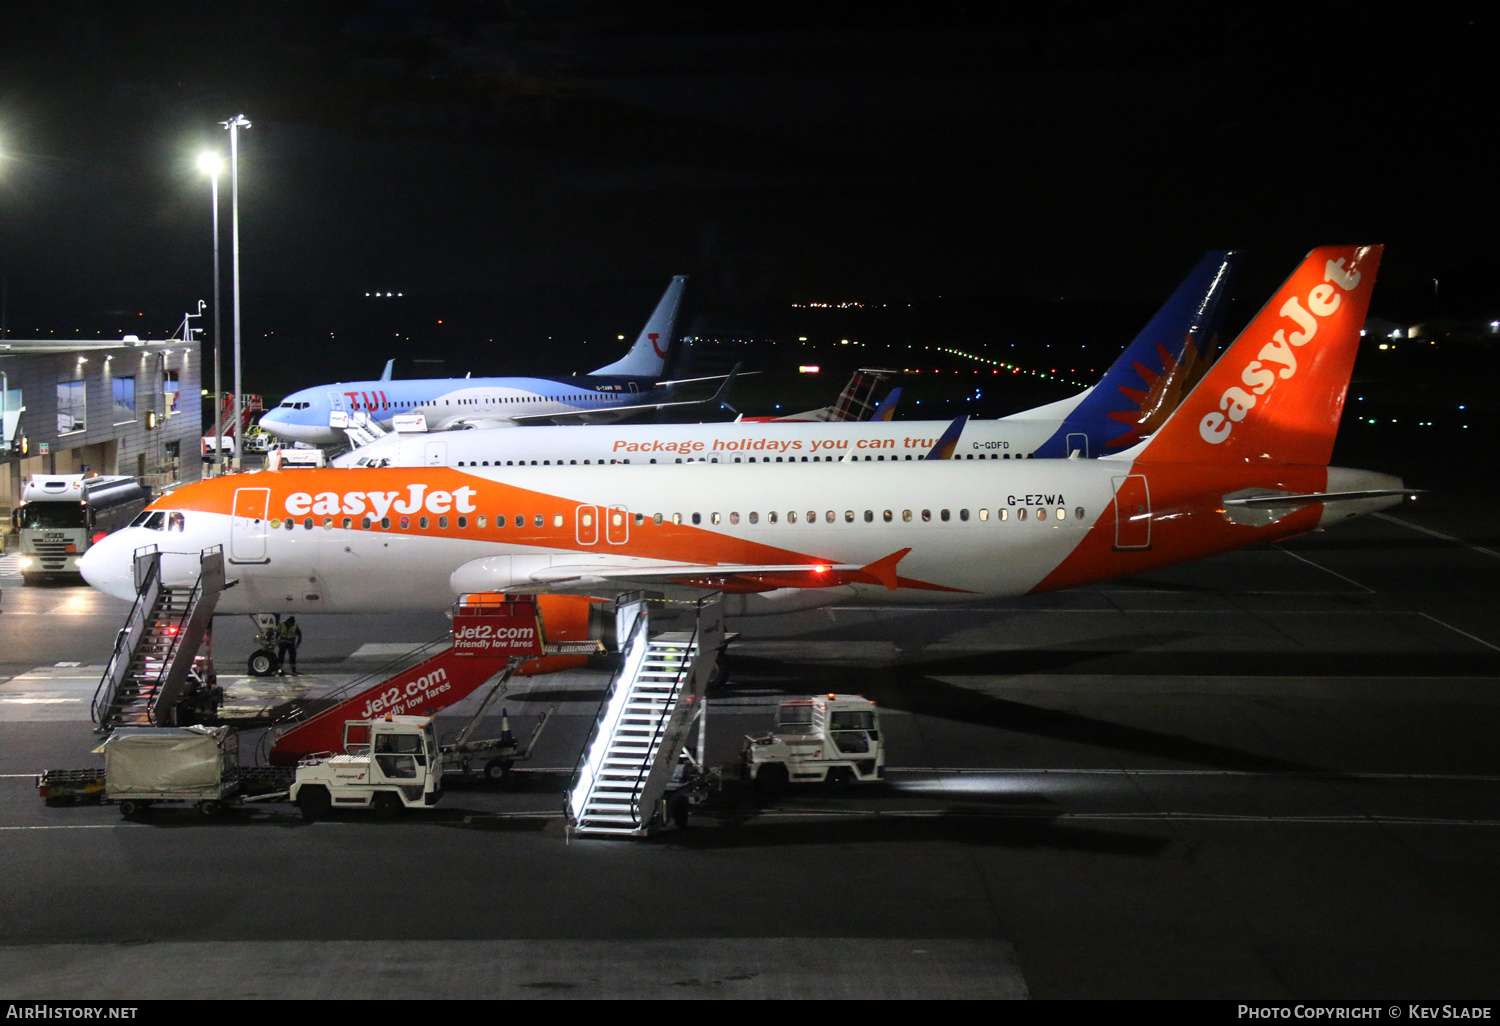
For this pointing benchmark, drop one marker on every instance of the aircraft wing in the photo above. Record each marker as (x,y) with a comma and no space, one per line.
(712,377)
(615,413)
(742,577)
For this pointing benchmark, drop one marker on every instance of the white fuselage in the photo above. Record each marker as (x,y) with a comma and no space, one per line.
(1015,437)
(385,540)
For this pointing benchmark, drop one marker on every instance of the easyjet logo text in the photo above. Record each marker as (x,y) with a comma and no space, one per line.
(416,499)
(1277,359)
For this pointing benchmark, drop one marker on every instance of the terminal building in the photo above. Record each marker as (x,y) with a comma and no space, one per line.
(127,406)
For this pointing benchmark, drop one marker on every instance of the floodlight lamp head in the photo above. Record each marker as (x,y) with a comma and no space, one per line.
(238,121)
(210,163)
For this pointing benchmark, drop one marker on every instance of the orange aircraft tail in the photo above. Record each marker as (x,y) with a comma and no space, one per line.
(1277,393)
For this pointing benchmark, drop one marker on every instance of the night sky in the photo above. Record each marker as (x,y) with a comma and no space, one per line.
(538,169)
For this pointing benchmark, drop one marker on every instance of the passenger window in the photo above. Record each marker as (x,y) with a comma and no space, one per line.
(869,516)
(944,516)
(1041,514)
(734,518)
(984,514)
(1062,514)
(348,523)
(676,518)
(424,522)
(365,523)
(771,517)
(1021,513)
(328,523)
(926,515)
(385,523)
(963,514)
(479,522)
(697,518)
(657,519)
(791,517)
(290,523)
(462,521)
(886,516)
(906,516)
(500,520)
(1078,512)
(557,520)
(754,518)
(1003,514)
(848,516)
(713,518)
(405,523)
(828,517)
(306,523)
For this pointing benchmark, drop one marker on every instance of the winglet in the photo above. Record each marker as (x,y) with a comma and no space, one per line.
(884,569)
(887,408)
(385,375)
(946,444)
(722,395)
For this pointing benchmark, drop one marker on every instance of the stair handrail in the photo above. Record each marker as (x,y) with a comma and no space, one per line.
(639,626)
(694,650)
(297,715)
(171,653)
(662,720)
(191,626)
(148,585)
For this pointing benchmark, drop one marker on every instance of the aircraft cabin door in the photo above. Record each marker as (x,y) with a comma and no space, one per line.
(617,528)
(435,454)
(588,525)
(247,525)
(336,402)
(1132,512)
(1078,442)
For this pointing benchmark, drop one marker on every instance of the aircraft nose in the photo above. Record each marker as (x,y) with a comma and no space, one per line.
(110,565)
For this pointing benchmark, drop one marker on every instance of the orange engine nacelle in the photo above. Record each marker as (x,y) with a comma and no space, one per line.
(570,618)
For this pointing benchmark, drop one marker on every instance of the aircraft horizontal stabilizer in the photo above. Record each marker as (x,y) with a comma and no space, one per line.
(1277,499)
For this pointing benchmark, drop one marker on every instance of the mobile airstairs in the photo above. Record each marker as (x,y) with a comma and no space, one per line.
(357,425)
(636,774)
(158,675)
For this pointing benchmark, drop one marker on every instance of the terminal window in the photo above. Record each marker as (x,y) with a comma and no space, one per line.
(72,406)
(124,399)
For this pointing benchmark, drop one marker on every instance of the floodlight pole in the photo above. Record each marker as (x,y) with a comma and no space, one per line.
(234,124)
(218,380)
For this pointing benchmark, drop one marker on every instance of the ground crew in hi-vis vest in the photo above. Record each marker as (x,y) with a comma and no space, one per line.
(288,638)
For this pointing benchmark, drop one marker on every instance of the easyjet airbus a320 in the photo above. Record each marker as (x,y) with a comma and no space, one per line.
(1242,461)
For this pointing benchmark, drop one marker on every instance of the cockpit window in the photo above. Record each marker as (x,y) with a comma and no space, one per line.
(176,522)
(154,521)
